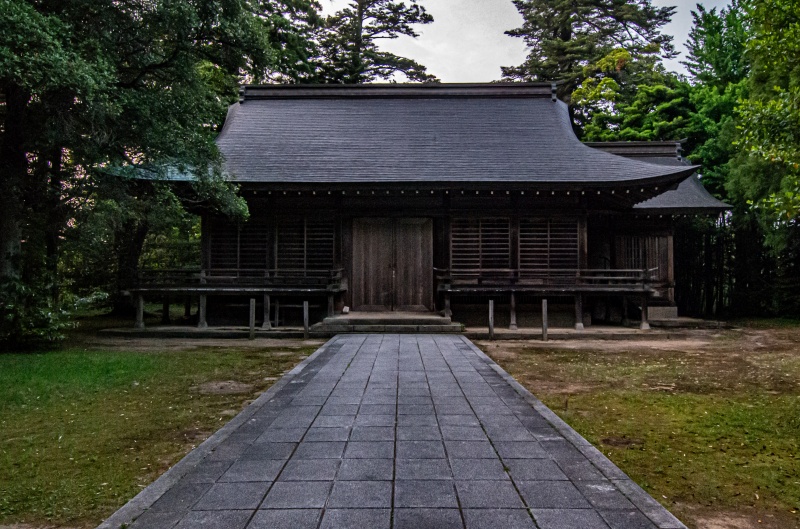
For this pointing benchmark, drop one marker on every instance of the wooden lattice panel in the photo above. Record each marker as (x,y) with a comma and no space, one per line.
(304,244)
(483,243)
(548,244)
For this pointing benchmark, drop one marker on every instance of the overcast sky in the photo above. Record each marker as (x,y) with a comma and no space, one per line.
(466,42)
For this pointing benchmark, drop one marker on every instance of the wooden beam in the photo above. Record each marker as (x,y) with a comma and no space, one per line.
(513,301)
(265,325)
(645,326)
(139,312)
(165,310)
(201,313)
(491,319)
(579,312)
(252,335)
(305,319)
(544,319)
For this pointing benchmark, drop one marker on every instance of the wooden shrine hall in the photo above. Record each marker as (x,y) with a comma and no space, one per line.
(435,198)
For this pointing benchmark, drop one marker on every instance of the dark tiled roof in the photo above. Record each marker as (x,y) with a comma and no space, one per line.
(689,197)
(435,134)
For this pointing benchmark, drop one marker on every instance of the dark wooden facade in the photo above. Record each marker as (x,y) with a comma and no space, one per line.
(436,198)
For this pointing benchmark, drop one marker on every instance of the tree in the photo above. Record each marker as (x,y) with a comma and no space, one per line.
(716,45)
(565,36)
(92,88)
(769,117)
(348,42)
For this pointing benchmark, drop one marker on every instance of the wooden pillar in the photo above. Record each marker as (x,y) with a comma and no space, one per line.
(277,311)
(165,310)
(252,334)
(265,325)
(139,312)
(625,319)
(544,319)
(491,319)
(330,305)
(305,320)
(201,313)
(513,323)
(448,313)
(579,312)
(644,325)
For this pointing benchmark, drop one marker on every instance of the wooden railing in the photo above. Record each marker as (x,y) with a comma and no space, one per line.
(600,279)
(237,277)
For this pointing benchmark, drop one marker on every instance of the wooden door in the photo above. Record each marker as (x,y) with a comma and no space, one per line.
(392,264)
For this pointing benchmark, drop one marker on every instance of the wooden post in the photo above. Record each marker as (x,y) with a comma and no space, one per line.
(277,310)
(330,305)
(491,319)
(252,334)
(305,320)
(165,310)
(513,324)
(265,325)
(139,312)
(579,312)
(201,313)
(448,313)
(644,325)
(544,319)
(625,320)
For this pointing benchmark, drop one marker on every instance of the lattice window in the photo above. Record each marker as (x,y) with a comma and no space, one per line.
(304,244)
(547,245)
(483,243)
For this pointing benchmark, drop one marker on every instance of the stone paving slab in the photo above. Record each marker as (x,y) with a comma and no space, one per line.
(395,431)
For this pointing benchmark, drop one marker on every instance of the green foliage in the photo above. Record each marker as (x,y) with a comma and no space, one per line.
(28,315)
(348,42)
(565,36)
(717,44)
(770,117)
(97,90)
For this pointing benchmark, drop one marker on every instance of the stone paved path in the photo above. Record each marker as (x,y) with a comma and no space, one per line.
(401,432)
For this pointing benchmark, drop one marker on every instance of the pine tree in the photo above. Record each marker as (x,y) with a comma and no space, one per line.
(349,52)
(565,36)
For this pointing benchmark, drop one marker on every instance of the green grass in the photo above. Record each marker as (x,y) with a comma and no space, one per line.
(85,430)
(704,429)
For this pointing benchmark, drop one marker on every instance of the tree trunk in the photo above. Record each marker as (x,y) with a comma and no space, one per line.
(13,170)
(130,242)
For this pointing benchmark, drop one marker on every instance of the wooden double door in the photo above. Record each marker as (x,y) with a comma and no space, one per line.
(392,264)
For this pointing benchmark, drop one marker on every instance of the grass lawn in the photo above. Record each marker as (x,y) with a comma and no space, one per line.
(709,426)
(85,428)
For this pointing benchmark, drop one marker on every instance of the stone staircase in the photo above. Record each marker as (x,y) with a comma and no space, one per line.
(387,322)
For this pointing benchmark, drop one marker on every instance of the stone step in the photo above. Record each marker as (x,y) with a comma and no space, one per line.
(387,319)
(392,329)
